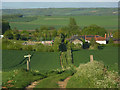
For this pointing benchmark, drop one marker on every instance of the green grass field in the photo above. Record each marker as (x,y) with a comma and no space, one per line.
(42,61)
(108,22)
(108,55)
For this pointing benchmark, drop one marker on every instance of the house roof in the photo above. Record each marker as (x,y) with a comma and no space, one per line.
(74,38)
(87,37)
(97,38)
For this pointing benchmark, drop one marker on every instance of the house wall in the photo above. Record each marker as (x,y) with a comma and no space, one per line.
(1,36)
(101,42)
(77,42)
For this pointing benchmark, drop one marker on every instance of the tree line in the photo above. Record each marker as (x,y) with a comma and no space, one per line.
(45,33)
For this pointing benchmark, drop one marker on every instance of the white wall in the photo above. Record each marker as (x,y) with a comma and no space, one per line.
(1,36)
(101,42)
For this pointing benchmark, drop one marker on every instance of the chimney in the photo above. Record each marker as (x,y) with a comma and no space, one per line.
(108,34)
(85,37)
(105,35)
(95,38)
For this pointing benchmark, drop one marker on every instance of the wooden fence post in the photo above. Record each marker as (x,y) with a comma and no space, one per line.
(91,58)
(27,65)
(29,58)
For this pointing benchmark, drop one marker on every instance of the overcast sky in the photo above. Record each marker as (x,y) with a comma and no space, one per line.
(17,5)
(60,0)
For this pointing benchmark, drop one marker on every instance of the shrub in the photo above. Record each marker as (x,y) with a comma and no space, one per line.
(28,47)
(110,41)
(93,75)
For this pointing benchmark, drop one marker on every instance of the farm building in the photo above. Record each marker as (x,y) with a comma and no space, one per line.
(1,36)
(98,39)
(78,39)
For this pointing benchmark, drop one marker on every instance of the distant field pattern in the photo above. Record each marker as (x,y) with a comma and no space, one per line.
(108,22)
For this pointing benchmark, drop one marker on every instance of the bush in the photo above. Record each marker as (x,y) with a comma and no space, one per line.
(111,41)
(93,75)
(28,47)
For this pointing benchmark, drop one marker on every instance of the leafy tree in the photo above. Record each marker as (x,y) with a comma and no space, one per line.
(17,36)
(93,44)
(62,47)
(69,46)
(37,30)
(93,30)
(73,24)
(24,35)
(110,41)
(57,43)
(15,31)
(8,34)
(5,26)
(54,33)
(116,35)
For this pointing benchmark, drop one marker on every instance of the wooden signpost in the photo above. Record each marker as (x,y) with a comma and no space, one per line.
(28,61)
(91,58)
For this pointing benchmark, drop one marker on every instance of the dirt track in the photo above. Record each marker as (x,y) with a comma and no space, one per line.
(63,84)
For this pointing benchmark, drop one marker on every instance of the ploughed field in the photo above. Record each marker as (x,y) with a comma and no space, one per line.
(33,22)
(42,61)
(108,55)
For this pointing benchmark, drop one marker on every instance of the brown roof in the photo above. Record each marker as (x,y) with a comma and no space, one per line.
(97,38)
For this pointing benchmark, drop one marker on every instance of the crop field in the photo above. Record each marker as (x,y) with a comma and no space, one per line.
(109,56)
(108,22)
(42,61)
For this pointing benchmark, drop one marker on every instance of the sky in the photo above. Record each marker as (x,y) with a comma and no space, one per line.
(21,5)
(60,0)
(15,4)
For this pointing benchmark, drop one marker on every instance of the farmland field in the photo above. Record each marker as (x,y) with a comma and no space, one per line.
(109,55)
(42,61)
(108,22)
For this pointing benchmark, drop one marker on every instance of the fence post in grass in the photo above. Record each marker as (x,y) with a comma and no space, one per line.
(28,61)
(91,58)
(29,57)
(27,65)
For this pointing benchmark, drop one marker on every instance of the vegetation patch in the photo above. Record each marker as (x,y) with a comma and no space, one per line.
(105,55)
(52,81)
(19,78)
(94,75)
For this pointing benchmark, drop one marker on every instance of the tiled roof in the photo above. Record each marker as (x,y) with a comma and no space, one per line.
(97,38)
(88,37)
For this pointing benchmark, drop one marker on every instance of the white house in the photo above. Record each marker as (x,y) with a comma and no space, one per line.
(1,36)
(98,39)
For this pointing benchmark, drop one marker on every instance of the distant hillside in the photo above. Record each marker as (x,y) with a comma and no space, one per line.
(62,11)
